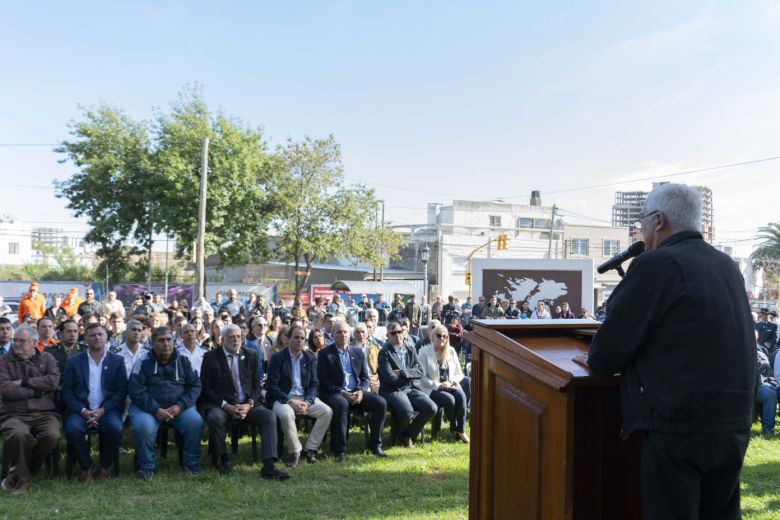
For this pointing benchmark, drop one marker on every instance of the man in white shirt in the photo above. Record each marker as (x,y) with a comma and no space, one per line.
(190,348)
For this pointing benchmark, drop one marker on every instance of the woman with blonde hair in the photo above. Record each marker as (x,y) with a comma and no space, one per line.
(282,340)
(442,378)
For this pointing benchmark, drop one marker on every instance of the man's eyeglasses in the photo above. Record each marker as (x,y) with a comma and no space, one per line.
(638,223)
(393,333)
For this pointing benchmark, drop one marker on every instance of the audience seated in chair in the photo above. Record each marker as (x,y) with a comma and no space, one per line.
(399,383)
(163,387)
(28,410)
(292,390)
(441,380)
(231,391)
(94,389)
(343,376)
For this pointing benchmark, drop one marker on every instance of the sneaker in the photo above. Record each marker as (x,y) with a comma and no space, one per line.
(9,482)
(311,456)
(293,460)
(21,488)
(146,475)
(192,472)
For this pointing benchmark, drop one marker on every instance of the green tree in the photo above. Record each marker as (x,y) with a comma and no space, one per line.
(239,206)
(766,256)
(116,184)
(136,178)
(318,217)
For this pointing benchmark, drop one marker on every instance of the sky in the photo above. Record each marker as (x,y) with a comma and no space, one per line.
(430,101)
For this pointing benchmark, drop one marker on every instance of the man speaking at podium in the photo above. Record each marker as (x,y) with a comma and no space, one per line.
(680,332)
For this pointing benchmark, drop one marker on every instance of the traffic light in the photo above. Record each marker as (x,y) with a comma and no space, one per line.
(501,242)
(468,278)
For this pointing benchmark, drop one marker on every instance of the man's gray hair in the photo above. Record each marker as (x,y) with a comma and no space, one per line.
(680,203)
(32,332)
(227,328)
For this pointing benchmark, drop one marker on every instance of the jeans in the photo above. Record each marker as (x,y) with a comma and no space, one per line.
(110,432)
(188,423)
(767,396)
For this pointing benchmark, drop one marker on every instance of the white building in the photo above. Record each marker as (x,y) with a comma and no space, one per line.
(15,241)
(465,228)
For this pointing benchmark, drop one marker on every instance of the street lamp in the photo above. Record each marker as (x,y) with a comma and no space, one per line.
(425,257)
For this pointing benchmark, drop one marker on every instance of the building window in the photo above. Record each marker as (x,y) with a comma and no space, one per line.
(13,248)
(611,247)
(579,246)
(523,222)
(495,220)
(542,223)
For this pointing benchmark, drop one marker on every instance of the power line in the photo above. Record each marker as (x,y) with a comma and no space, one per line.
(654,177)
(26,145)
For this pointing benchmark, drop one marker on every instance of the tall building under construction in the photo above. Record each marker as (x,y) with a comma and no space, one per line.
(628,207)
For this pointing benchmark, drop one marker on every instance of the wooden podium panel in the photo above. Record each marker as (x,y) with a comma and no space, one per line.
(545,432)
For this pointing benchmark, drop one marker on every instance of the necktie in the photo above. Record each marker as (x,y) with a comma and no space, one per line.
(234,373)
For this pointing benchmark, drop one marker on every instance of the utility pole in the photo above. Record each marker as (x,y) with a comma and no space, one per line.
(381,249)
(552,225)
(166,269)
(201,251)
(149,272)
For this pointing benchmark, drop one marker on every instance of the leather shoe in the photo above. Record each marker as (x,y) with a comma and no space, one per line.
(293,460)
(274,474)
(85,475)
(9,482)
(311,456)
(104,474)
(379,452)
(407,442)
(339,457)
(226,466)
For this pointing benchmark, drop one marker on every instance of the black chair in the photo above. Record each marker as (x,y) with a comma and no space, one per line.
(162,442)
(70,455)
(235,435)
(359,418)
(395,431)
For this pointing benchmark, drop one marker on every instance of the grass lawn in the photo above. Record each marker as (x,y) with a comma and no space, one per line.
(429,482)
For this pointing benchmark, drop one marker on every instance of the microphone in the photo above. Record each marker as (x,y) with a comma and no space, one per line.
(636,249)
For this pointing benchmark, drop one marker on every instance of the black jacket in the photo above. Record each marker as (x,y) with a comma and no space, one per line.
(679,329)
(217,381)
(330,373)
(388,362)
(279,377)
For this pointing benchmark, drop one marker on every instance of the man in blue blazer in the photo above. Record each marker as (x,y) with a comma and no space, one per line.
(343,375)
(94,389)
(292,390)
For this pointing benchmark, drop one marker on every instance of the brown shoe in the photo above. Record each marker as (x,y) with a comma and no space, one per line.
(293,459)
(85,475)
(9,482)
(21,488)
(104,474)
(407,442)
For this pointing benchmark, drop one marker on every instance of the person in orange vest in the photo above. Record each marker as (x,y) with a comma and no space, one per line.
(71,302)
(33,303)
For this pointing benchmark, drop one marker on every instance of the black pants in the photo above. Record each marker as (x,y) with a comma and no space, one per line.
(259,416)
(692,476)
(373,404)
(412,408)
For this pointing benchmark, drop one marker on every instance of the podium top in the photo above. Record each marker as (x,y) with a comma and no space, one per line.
(544,347)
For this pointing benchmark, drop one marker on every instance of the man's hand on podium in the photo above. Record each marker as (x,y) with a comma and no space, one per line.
(581,359)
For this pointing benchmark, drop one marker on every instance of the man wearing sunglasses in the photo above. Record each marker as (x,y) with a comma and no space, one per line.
(680,331)
(399,384)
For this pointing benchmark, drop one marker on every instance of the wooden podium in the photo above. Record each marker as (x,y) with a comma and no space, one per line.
(545,433)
